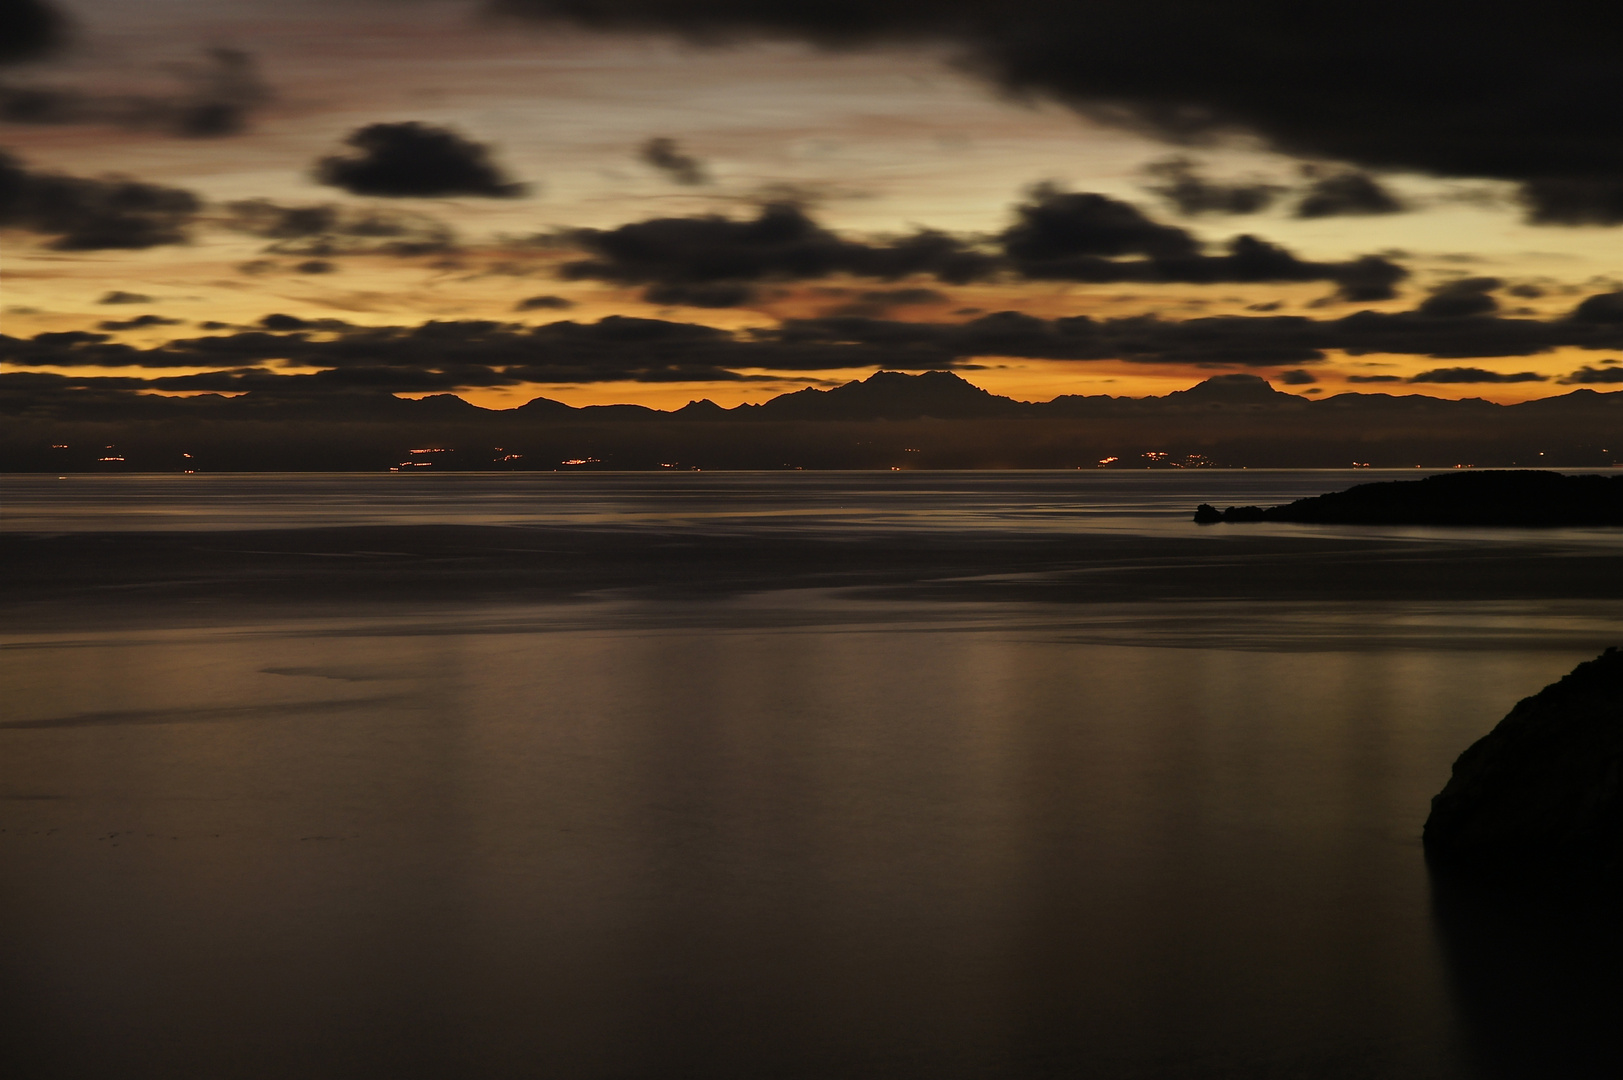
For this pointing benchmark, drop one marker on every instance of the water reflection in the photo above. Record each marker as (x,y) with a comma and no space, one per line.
(809,505)
(968,847)
(1534,970)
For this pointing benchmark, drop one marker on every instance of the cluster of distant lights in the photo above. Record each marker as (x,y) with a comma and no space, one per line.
(424,458)
(420,460)
(1162,458)
(419,464)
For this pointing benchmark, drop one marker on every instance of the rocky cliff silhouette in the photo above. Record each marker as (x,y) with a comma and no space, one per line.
(1542,793)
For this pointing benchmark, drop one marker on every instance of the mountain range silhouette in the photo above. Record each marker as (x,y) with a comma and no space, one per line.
(934,419)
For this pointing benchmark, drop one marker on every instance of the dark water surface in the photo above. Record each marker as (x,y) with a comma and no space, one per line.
(832,504)
(794,830)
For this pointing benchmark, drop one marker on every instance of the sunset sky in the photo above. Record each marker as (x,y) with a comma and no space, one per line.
(1217,187)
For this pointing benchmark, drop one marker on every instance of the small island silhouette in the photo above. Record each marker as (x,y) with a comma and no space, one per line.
(1488,497)
(1542,791)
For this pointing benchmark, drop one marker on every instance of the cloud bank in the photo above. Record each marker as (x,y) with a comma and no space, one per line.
(480,353)
(715,261)
(1417,85)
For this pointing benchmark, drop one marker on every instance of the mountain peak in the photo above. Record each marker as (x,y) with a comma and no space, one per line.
(702,409)
(1234,392)
(1230,388)
(895,395)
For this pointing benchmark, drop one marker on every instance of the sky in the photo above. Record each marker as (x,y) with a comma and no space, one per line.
(655,201)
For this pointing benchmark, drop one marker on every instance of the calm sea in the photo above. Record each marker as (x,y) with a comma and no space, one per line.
(1147,502)
(799,832)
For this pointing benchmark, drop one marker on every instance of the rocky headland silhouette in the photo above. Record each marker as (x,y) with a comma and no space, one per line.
(1542,793)
(1479,497)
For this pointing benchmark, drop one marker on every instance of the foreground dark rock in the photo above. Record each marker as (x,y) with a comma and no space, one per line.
(1489,497)
(1541,793)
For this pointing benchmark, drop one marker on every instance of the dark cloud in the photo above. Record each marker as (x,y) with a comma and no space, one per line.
(711,261)
(137,323)
(1374,378)
(1055,225)
(1587,374)
(216,98)
(1474,375)
(1417,85)
(414,160)
(1461,299)
(119,296)
(326,230)
(1568,200)
(1601,308)
(544,303)
(714,294)
(280,322)
(666,155)
(1069,237)
(32,29)
(1179,181)
(1347,194)
(93,214)
(1297,377)
(316,266)
(714,261)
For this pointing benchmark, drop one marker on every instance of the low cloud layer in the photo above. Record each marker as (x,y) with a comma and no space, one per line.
(452,355)
(414,160)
